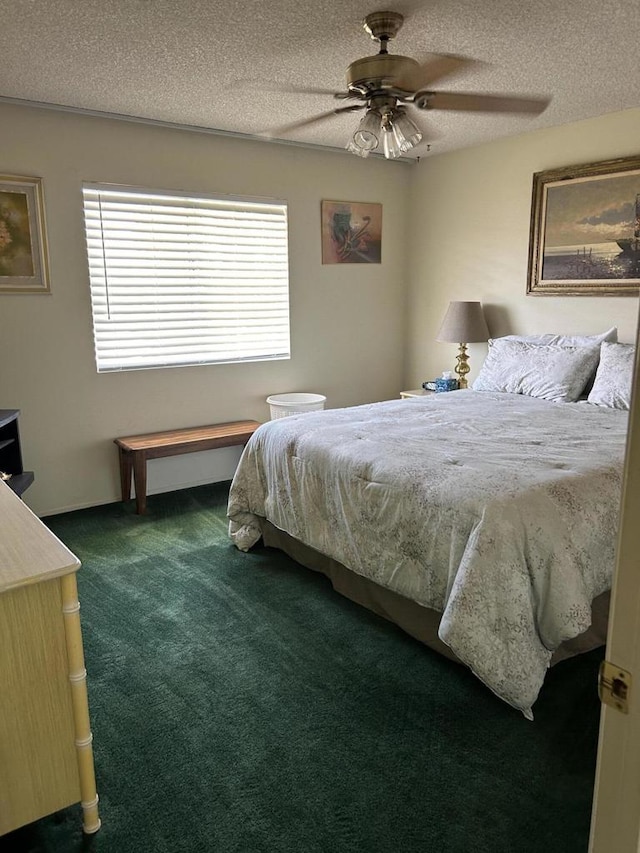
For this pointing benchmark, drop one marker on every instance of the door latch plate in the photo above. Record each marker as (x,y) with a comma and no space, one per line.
(614,686)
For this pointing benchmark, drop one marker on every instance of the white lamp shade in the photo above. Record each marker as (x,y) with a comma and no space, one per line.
(463,323)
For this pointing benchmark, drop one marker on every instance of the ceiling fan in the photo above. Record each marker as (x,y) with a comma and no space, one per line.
(385,85)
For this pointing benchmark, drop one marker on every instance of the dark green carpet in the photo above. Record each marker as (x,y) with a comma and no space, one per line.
(239,704)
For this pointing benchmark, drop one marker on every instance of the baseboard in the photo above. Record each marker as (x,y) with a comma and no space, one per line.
(157,491)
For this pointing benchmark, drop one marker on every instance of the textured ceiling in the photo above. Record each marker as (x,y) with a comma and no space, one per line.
(231,65)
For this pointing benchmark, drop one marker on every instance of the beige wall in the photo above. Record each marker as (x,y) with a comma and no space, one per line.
(456,226)
(469,239)
(347,322)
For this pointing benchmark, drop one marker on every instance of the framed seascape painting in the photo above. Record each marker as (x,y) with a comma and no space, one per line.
(585,230)
(351,232)
(24,266)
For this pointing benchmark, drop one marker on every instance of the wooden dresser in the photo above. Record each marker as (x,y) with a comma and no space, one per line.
(46,754)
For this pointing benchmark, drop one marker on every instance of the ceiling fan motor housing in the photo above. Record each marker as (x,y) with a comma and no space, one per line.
(382,71)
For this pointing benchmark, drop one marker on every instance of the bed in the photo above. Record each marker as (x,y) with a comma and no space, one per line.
(482,522)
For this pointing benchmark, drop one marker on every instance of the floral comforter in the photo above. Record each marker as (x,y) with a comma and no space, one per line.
(498,510)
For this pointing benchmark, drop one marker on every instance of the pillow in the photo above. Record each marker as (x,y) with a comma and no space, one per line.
(564,340)
(548,371)
(612,385)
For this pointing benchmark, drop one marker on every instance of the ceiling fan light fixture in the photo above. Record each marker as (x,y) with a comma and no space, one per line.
(407,132)
(391,142)
(367,136)
(352,148)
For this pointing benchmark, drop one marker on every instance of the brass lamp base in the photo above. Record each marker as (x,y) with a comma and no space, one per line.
(462,366)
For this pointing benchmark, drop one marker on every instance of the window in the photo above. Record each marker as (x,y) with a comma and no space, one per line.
(185,279)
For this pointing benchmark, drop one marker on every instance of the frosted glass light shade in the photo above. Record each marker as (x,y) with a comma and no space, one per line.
(390,143)
(352,148)
(408,133)
(368,132)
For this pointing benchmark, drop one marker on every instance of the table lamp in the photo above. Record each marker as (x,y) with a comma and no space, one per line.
(463,323)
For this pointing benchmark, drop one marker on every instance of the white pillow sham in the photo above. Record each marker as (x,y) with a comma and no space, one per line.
(564,340)
(612,385)
(549,371)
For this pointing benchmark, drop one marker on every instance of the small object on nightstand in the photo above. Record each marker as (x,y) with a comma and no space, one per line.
(429,385)
(446,382)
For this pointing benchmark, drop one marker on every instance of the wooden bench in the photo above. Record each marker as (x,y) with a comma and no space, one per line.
(134,450)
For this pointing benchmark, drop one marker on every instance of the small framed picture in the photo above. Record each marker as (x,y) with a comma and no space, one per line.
(24,264)
(351,232)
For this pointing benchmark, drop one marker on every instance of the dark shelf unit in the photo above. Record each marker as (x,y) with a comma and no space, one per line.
(11,452)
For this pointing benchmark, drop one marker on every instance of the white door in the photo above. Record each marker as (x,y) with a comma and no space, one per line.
(615,824)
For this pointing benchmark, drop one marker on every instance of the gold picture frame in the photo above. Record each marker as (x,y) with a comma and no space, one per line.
(351,232)
(24,261)
(585,230)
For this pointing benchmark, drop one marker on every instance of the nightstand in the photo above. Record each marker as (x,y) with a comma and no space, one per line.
(417,392)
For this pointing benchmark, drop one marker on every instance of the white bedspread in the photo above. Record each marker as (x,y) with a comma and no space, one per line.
(498,510)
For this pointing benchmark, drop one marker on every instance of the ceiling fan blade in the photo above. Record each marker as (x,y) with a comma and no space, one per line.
(470,102)
(308,90)
(311,90)
(433,68)
(295,125)
(254,85)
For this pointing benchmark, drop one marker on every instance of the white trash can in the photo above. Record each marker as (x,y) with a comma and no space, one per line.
(294,404)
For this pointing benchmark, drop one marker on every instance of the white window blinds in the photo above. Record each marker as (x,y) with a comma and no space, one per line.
(182,279)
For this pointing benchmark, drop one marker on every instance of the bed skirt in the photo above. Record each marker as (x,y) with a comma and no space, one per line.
(418,621)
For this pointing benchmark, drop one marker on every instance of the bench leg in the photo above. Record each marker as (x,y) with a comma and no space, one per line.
(125,474)
(140,480)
